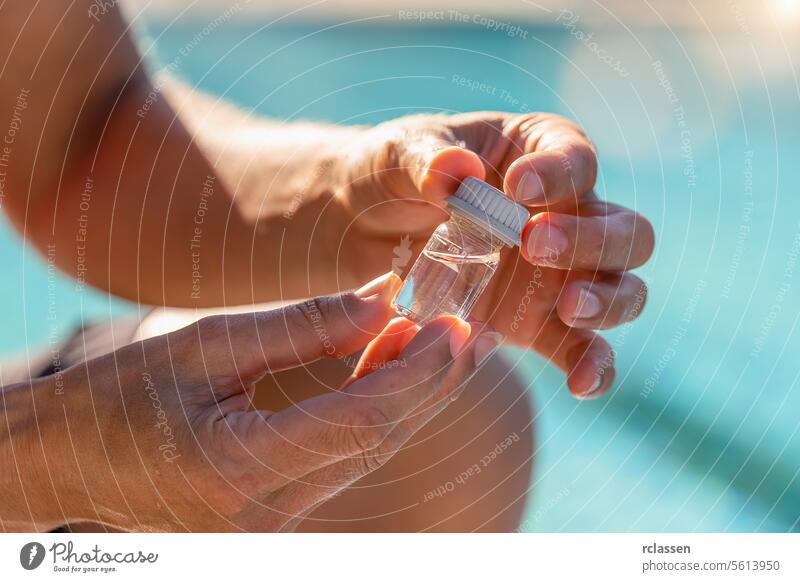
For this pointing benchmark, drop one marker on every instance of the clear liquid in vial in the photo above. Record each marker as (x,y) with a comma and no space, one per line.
(447,278)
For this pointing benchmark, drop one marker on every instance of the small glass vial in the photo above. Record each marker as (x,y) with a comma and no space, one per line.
(462,254)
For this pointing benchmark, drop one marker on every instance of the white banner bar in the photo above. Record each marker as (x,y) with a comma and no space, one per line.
(401,557)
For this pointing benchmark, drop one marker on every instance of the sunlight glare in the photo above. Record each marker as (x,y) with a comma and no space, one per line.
(788,7)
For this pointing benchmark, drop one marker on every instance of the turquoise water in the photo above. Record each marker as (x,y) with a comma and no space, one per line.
(701,134)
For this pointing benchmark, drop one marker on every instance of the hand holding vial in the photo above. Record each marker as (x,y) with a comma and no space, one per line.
(462,254)
(570,276)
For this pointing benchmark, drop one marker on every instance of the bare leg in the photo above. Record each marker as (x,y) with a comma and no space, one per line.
(447,478)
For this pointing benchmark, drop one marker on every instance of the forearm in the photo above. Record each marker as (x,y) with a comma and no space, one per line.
(84,445)
(36,492)
(155,192)
(204,205)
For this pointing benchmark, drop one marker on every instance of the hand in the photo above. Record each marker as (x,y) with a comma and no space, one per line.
(570,277)
(167,440)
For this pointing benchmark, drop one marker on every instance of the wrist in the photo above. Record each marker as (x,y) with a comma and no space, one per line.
(320,221)
(370,179)
(40,487)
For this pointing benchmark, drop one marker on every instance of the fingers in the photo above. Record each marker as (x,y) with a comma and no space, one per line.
(332,326)
(585,357)
(591,371)
(443,170)
(562,165)
(304,494)
(328,428)
(384,348)
(435,162)
(617,241)
(601,302)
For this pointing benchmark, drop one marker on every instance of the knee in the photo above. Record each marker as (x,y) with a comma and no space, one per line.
(486,449)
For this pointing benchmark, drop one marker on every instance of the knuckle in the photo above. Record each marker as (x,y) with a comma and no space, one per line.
(369,427)
(186,344)
(308,316)
(216,341)
(372,461)
(348,302)
(388,149)
(161,347)
(527,122)
(559,121)
(583,156)
(211,327)
(558,124)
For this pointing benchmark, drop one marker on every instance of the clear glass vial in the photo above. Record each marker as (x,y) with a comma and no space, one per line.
(462,254)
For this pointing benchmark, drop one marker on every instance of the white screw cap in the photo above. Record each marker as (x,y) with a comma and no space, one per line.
(489,208)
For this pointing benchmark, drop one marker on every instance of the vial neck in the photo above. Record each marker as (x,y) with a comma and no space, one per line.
(478,233)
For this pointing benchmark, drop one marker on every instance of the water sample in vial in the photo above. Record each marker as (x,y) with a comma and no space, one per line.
(462,254)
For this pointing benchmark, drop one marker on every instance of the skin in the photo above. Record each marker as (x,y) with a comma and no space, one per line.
(290,211)
(251,470)
(402,495)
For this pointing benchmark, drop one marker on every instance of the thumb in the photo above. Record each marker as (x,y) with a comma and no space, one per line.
(438,164)
(248,344)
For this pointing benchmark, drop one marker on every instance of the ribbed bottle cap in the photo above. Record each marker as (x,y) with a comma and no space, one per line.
(490,208)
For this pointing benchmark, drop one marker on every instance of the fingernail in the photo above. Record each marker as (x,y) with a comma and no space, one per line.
(589,394)
(459,334)
(530,188)
(385,286)
(546,242)
(588,306)
(598,381)
(486,344)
